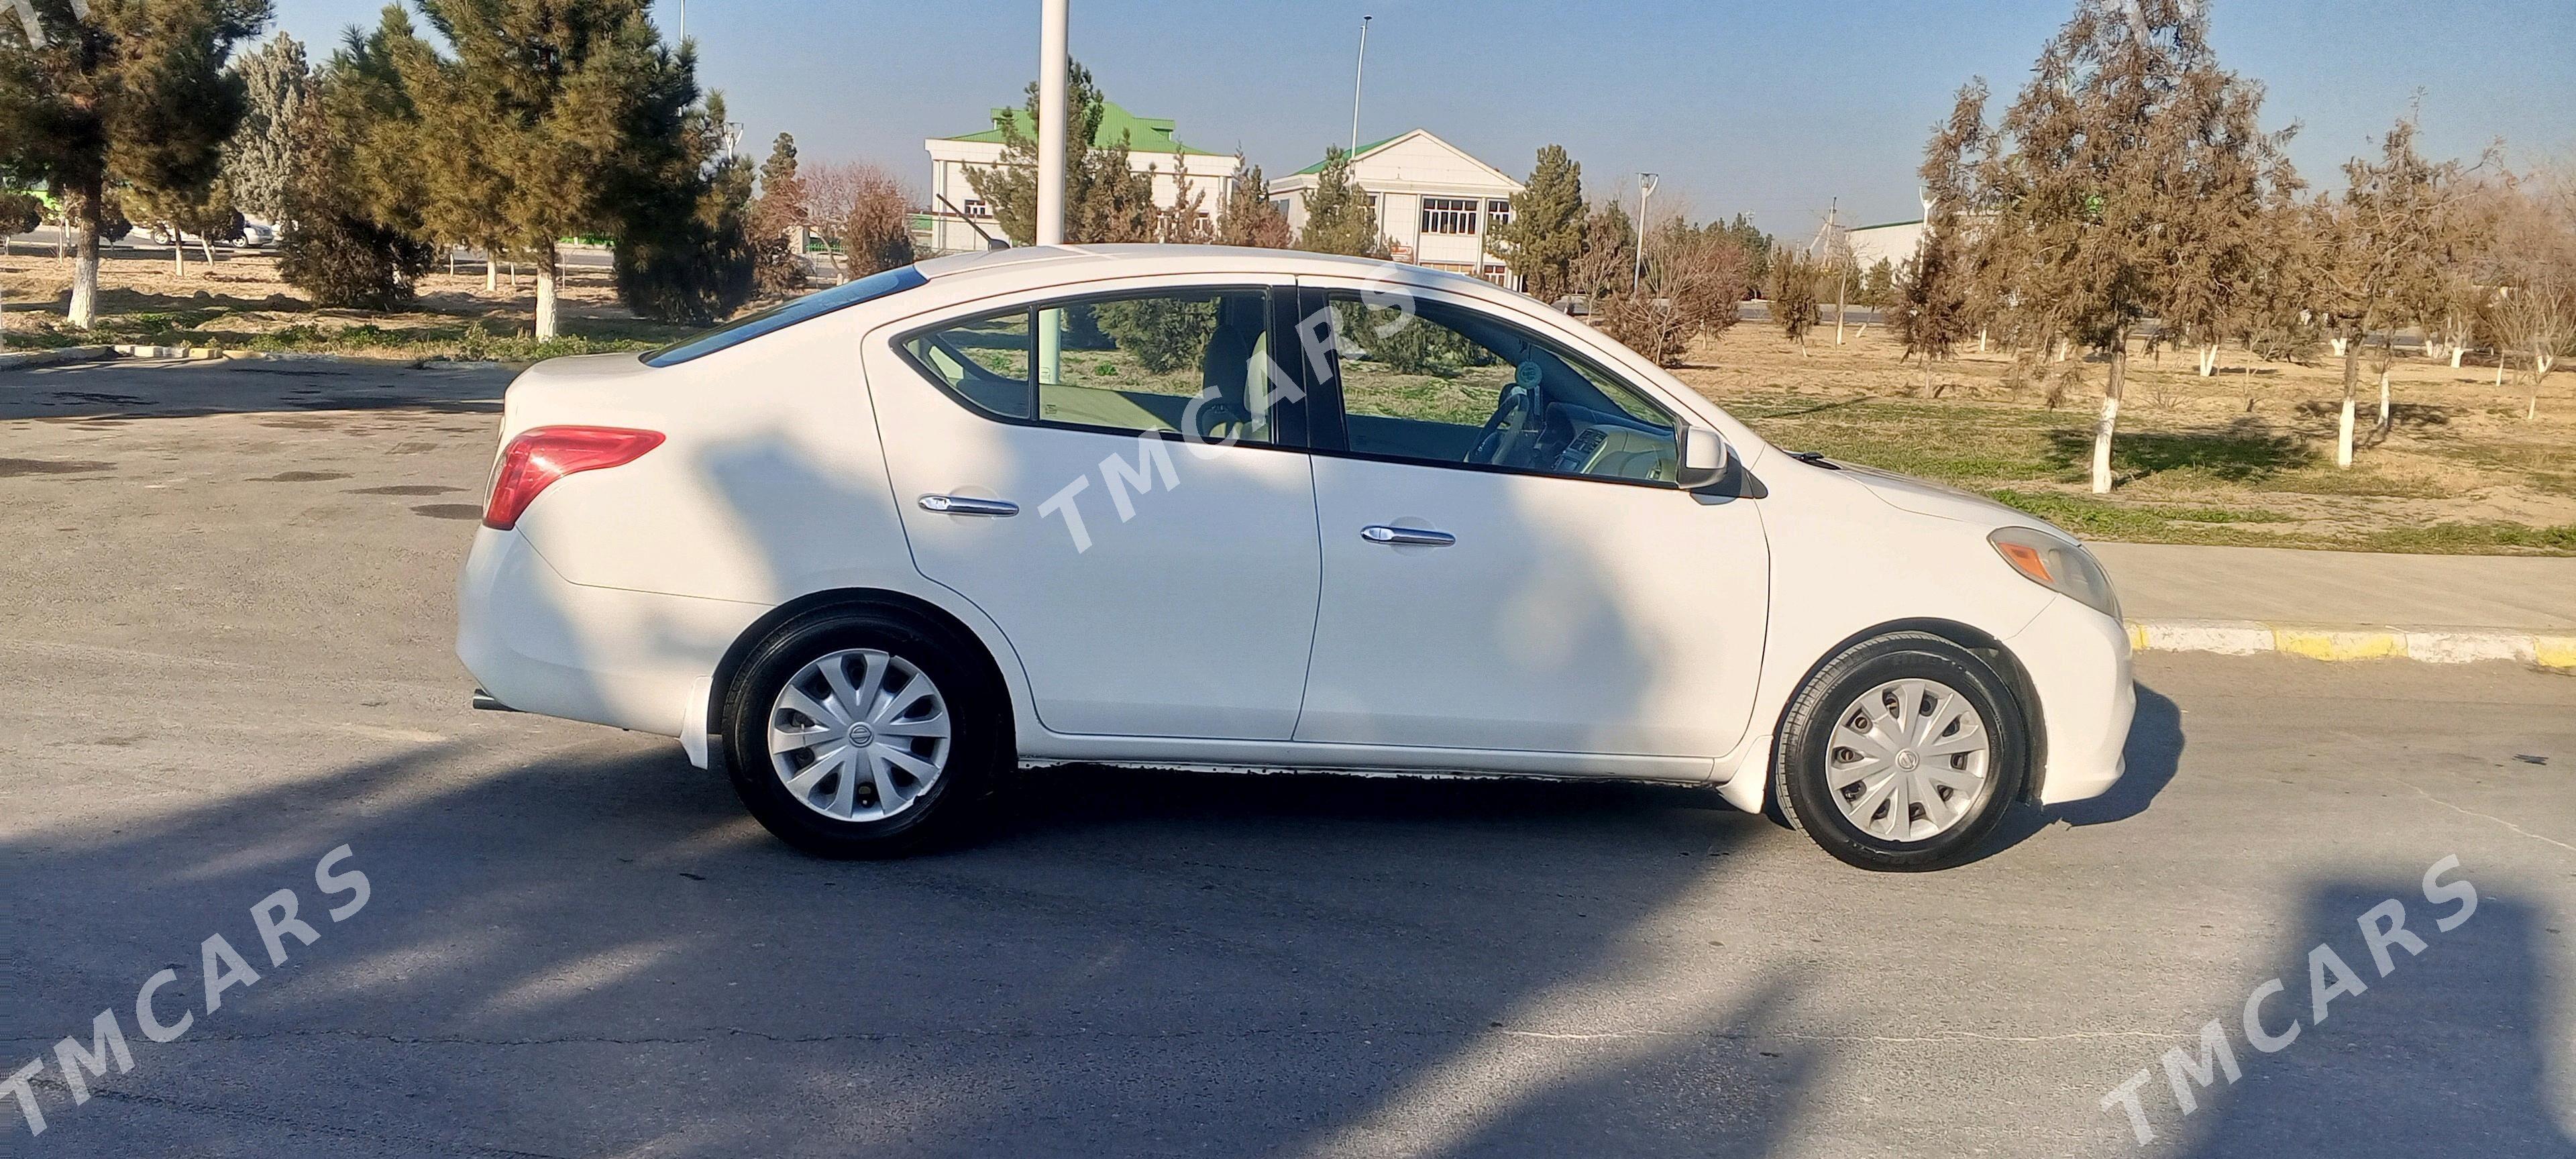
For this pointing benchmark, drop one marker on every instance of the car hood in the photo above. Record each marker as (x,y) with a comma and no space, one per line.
(1941,501)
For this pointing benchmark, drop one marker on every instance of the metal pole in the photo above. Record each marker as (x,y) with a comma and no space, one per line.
(682,34)
(1053,122)
(1357,75)
(1645,190)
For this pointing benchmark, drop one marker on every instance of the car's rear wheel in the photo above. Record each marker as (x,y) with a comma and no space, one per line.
(1901,753)
(865,733)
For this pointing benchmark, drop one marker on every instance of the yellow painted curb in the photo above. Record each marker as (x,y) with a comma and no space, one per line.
(2554,651)
(2332,645)
(2137,636)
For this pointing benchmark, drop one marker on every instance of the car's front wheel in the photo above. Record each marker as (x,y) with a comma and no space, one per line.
(864,733)
(1901,753)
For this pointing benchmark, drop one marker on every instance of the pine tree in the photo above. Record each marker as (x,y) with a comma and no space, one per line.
(119,91)
(353,235)
(1339,217)
(1795,306)
(259,160)
(549,120)
(1105,198)
(678,207)
(1545,234)
(1250,217)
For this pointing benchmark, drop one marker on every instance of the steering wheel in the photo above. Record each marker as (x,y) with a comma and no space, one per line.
(1508,414)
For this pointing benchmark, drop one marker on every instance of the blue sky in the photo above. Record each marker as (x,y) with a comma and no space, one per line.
(1772,108)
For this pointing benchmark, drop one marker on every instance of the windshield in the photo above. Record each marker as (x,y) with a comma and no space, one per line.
(786,314)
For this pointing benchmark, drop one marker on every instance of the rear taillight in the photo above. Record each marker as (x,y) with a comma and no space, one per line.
(541,455)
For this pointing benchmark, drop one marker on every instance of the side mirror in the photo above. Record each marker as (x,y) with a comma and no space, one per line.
(1704,458)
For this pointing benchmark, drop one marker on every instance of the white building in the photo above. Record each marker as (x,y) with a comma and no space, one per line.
(1435,203)
(1893,243)
(959,218)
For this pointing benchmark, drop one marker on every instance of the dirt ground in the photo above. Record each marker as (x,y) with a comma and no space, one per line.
(240,302)
(2246,456)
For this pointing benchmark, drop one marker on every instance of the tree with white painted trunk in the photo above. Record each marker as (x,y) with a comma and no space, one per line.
(2533,263)
(2379,248)
(2128,169)
(547,119)
(97,94)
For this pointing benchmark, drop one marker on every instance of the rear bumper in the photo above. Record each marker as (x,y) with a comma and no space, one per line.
(2078,661)
(539,643)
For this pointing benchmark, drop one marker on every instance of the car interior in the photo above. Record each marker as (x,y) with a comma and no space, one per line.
(1433,383)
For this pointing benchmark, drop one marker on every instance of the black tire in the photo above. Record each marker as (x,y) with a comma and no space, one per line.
(981,748)
(1799,782)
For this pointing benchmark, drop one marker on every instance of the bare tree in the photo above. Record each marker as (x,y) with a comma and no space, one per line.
(1693,282)
(877,230)
(2534,312)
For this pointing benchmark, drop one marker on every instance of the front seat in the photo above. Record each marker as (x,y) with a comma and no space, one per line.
(1235,353)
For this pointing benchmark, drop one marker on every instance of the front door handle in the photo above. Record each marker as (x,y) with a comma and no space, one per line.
(968,505)
(1381,533)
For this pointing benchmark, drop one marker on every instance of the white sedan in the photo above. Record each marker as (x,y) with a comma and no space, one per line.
(1251,510)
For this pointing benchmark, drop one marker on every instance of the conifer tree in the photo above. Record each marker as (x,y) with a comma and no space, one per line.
(1545,234)
(113,92)
(259,160)
(1105,198)
(354,233)
(2377,245)
(1339,218)
(1249,217)
(549,119)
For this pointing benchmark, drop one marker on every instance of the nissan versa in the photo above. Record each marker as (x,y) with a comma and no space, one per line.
(1253,510)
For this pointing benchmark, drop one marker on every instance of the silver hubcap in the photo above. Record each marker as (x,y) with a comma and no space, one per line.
(1907,759)
(858,735)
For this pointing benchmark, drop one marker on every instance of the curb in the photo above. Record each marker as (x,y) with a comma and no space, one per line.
(2432,645)
(20,358)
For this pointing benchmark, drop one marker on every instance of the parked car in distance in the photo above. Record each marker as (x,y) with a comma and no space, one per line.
(1255,510)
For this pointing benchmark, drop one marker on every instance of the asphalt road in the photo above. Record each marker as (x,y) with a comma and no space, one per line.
(224,629)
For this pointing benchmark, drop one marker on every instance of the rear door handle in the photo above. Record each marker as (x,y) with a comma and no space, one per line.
(968,505)
(1381,533)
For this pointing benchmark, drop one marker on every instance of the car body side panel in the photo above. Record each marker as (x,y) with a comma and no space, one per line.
(1843,562)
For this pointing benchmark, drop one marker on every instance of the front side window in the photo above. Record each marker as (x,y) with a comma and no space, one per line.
(1185,362)
(1447,384)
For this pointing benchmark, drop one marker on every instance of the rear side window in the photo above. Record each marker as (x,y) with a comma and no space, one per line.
(786,314)
(1189,362)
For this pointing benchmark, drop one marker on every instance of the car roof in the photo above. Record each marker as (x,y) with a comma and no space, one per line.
(1082,262)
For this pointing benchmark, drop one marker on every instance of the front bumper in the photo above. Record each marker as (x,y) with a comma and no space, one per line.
(2078,663)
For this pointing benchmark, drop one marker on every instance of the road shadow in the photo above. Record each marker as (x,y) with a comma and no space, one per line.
(2444,1055)
(118,390)
(1128,962)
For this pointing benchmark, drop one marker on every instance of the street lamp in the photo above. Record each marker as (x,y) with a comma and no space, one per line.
(1645,189)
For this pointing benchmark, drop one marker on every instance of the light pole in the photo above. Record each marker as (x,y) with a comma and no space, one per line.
(1054,123)
(1645,190)
(1358,74)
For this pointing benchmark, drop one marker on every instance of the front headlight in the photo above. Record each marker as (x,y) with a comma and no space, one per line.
(2060,565)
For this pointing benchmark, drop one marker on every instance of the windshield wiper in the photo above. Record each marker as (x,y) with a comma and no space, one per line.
(1816,457)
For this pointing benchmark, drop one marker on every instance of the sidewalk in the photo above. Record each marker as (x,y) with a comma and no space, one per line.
(2336,605)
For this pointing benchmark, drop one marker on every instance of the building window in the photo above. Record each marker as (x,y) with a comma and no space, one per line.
(1448,215)
(1280,204)
(975,207)
(1498,212)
